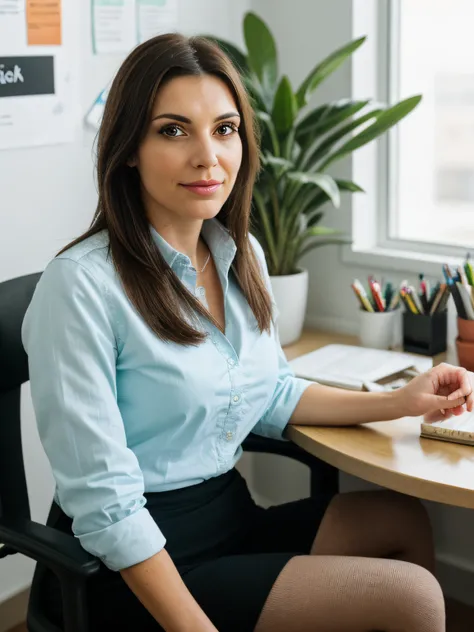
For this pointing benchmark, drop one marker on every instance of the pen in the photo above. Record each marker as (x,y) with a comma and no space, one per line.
(453,288)
(447,273)
(423,293)
(436,303)
(416,299)
(462,276)
(407,299)
(466,298)
(444,299)
(362,296)
(394,302)
(376,293)
(433,295)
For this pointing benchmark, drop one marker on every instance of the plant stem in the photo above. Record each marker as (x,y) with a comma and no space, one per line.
(260,205)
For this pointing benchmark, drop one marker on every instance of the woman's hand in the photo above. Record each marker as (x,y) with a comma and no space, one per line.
(441,392)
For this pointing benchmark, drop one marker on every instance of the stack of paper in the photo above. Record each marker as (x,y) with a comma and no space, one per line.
(357,368)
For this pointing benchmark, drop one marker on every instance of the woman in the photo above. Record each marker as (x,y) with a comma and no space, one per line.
(153,354)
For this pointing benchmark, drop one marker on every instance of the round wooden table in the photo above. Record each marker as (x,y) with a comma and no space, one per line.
(392,454)
(389,453)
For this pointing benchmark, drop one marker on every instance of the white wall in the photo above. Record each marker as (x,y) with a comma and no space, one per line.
(307,31)
(48,197)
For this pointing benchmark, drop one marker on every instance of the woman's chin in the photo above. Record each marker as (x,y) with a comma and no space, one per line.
(204,210)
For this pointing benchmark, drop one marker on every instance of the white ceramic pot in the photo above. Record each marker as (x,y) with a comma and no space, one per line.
(291,295)
(380,330)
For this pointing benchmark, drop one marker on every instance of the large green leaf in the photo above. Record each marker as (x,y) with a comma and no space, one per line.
(314,217)
(323,181)
(276,165)
(322,119)
(275,161)
(269,126)
(284,106)
(324,69)
(237,57)
(310,120)
(310,201)
(258,98)
(390,117)
(320,148)
(262,52)
(348,185)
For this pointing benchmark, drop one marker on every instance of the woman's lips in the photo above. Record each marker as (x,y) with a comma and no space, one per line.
(203,190)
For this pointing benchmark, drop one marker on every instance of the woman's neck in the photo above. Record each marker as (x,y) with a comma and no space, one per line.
(185,238)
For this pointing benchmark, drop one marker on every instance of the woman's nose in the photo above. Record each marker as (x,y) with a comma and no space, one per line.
(205,154)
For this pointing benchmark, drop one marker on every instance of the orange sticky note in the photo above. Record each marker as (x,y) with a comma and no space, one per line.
(43,20)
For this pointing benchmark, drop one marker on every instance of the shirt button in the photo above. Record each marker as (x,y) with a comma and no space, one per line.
(229,436)
(236,398)
(231,362)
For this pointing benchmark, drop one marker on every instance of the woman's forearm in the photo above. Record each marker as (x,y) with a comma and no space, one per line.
(158,585)
(327,406)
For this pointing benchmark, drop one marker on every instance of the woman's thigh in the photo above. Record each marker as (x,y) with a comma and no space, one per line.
(353,594)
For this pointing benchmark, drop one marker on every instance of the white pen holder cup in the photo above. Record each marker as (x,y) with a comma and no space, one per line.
(380,330)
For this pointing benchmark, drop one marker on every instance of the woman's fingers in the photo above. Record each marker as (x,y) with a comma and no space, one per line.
(444,403)
(460,380)
(437,415)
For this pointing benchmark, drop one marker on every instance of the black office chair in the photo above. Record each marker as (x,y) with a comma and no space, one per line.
(52,549)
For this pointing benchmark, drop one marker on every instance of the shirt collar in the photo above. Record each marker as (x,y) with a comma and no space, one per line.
(218,240)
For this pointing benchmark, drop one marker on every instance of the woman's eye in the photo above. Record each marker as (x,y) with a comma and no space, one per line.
(226,129)
(172,131)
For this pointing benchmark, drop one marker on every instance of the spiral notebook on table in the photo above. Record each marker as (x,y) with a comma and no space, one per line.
(359,368)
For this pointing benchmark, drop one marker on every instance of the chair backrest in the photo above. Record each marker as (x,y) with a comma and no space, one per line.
(15,296)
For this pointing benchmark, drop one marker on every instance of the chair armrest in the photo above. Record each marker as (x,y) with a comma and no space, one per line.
(256,443)
(58,551)
(324,478)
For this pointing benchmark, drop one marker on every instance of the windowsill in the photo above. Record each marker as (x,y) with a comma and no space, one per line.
(399,260)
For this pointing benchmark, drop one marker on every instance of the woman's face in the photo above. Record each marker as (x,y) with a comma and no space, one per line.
(189,159)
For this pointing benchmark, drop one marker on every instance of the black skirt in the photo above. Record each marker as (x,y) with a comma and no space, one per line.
(228,550)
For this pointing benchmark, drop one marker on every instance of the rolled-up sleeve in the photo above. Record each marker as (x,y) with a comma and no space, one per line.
(287,394)
(72,351)
(289,389)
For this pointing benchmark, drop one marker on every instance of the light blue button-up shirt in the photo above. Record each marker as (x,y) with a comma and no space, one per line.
(120,412)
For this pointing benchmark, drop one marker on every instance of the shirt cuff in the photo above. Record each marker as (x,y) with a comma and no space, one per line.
(127,542)
(275,420)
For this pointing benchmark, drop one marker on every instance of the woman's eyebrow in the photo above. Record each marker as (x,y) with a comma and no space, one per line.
(184,119)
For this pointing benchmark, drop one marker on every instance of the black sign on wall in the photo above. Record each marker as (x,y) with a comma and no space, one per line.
(26,76)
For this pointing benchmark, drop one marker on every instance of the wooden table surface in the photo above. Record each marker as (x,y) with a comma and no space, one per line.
(390,454)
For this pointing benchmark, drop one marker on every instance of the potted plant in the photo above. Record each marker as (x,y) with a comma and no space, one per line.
(298,145)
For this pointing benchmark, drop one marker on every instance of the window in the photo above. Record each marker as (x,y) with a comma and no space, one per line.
(430,155)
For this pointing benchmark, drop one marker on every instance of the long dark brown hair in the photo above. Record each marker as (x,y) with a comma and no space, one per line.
(151,285)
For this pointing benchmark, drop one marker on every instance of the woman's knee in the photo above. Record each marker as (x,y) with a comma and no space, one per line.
(417,594)
(350,593)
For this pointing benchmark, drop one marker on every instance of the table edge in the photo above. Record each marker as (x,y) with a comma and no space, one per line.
(387,478)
